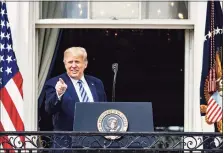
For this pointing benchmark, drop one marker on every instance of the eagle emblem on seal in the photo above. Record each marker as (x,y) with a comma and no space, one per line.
(112,120)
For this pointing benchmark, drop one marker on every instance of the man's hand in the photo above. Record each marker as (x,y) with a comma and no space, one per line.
(60,87)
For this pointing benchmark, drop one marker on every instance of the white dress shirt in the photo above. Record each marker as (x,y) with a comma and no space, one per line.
(85,86)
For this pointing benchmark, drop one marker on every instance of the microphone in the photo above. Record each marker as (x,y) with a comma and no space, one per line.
(115,69)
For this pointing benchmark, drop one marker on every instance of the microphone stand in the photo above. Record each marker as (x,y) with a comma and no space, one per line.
(115,69)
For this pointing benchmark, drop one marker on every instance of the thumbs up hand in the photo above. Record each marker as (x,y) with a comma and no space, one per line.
(60,87)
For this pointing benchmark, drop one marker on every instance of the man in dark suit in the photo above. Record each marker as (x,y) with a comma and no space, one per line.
(63,91)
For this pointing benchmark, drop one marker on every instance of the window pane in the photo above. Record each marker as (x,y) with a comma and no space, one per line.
(114,10)
(76,9)
(165,10)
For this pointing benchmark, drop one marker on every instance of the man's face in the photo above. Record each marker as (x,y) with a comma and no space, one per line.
(75,65)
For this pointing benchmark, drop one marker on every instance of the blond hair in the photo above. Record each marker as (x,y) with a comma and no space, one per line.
(75,50)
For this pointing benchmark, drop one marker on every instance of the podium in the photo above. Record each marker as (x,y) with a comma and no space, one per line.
(113,117)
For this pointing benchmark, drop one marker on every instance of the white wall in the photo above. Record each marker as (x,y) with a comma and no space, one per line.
(198,16)
(18,14)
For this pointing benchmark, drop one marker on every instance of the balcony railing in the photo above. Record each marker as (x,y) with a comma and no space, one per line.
(64,141)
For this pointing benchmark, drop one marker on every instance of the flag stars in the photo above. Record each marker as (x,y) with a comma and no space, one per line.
(214,32)
(218,30)
(3,3)
(7,24)
(9,47)
(2,12)
(2,35)
(209,34)
(9,59)
(205,37)
(2,23)
(8,36)
(0,80)
(2,46)
(8,70)
(1,58)
(1,69)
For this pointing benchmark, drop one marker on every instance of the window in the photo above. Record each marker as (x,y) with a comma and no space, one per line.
(114,10)
(165,10)
(150,66)
(73,9)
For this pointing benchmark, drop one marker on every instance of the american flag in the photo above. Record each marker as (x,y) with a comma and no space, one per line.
(11,81)
(212,74)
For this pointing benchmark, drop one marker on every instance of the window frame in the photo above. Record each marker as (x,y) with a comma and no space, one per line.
(190,57)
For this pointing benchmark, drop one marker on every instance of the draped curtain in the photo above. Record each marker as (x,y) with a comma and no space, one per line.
(47,40)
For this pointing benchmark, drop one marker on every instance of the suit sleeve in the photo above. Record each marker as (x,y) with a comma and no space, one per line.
(104,97)
(52,103)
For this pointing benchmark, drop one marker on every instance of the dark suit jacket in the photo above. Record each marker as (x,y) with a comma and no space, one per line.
(63,110)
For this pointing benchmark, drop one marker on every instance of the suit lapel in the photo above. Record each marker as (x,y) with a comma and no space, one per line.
(92,87)
(71,89)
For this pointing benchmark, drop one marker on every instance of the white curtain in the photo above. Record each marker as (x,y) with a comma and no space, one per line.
(47,40)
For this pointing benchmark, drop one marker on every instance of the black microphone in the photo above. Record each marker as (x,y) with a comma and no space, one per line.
(115,69)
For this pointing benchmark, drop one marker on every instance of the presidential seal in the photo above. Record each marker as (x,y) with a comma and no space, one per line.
(112,120)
